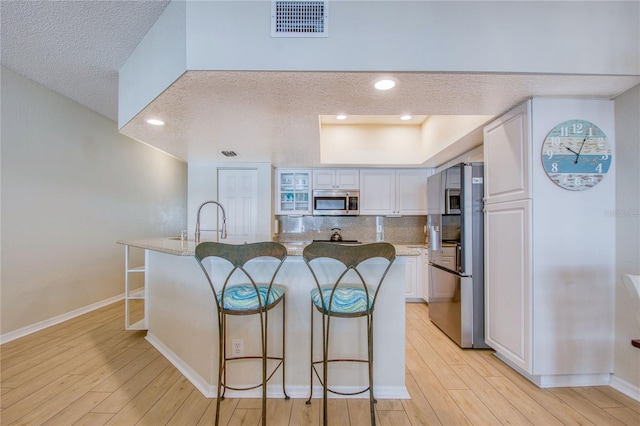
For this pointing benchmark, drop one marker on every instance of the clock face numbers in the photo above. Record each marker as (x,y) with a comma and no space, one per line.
(576,155)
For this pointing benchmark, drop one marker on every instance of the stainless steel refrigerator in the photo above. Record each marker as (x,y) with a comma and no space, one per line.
(456,261)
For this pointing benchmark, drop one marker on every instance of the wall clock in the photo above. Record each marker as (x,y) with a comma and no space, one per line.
(576,155)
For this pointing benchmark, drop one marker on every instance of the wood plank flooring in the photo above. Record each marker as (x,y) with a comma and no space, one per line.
(89,371)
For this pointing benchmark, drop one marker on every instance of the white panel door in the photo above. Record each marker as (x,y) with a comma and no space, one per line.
(238,192)
(507,156)
(508,300)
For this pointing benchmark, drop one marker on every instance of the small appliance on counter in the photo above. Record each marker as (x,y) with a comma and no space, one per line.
(337,238)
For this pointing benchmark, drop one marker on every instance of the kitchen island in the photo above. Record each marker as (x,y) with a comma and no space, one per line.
(182,325)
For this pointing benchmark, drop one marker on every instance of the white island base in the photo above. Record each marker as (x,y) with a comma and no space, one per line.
(182,325)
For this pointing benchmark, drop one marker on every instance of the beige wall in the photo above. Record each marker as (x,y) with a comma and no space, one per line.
(72,186)
(627,216)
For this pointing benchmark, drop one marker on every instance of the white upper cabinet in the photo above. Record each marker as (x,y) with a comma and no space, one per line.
(377,191)
(507,145)
(392,192)
(293,192)
(411,191)
(336,179)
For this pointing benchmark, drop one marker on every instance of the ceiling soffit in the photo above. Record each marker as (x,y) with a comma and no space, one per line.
(271,116)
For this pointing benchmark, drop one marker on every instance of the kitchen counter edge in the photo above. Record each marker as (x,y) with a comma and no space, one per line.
(187,248)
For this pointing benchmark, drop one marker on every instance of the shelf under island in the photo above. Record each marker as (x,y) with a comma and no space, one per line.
(181,323)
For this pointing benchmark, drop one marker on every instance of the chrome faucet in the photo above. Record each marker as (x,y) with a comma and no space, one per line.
(223,232)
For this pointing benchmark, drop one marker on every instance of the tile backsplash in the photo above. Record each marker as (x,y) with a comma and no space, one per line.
(399,230)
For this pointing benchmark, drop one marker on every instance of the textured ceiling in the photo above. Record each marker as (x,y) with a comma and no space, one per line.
(75,48)
(274,116)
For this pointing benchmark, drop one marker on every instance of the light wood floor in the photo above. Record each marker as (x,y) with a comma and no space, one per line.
(89,371)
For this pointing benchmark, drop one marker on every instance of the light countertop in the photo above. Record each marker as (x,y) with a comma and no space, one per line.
(173,245)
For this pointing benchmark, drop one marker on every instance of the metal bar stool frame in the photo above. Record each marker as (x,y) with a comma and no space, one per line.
(351,257)
(239,255)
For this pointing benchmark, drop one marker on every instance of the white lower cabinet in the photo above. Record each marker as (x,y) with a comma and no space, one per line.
(411,280)
(414,289)
(507,257)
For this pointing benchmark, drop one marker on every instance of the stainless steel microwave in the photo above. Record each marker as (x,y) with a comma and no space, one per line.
(336,203)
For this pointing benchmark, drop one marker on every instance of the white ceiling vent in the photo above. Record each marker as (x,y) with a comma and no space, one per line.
(295,18)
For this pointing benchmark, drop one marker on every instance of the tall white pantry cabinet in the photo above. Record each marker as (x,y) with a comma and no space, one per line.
(549,251)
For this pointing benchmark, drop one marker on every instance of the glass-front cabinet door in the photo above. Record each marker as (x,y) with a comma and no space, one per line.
(293,194)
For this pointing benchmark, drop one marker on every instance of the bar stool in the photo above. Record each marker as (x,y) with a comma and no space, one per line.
(348,296)
(236,292)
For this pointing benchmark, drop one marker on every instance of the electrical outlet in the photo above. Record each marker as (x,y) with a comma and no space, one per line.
(237,347)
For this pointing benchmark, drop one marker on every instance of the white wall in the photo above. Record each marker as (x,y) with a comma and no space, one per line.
(71,186)
(453,36)
(573,251)
(445,136)
(627,217)
(203,186)
(165,47)
(422,36)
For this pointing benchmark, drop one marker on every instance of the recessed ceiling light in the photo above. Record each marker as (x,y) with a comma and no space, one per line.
(385,84)
(405,117)
(341,117)
(155,122)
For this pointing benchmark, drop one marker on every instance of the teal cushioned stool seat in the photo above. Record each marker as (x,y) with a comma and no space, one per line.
(347,299)
(242,297)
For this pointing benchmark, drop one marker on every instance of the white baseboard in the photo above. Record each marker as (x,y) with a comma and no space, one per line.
(273,391)
(560,380)
(196,379)
(24,331)
(576,380)
(626,388)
